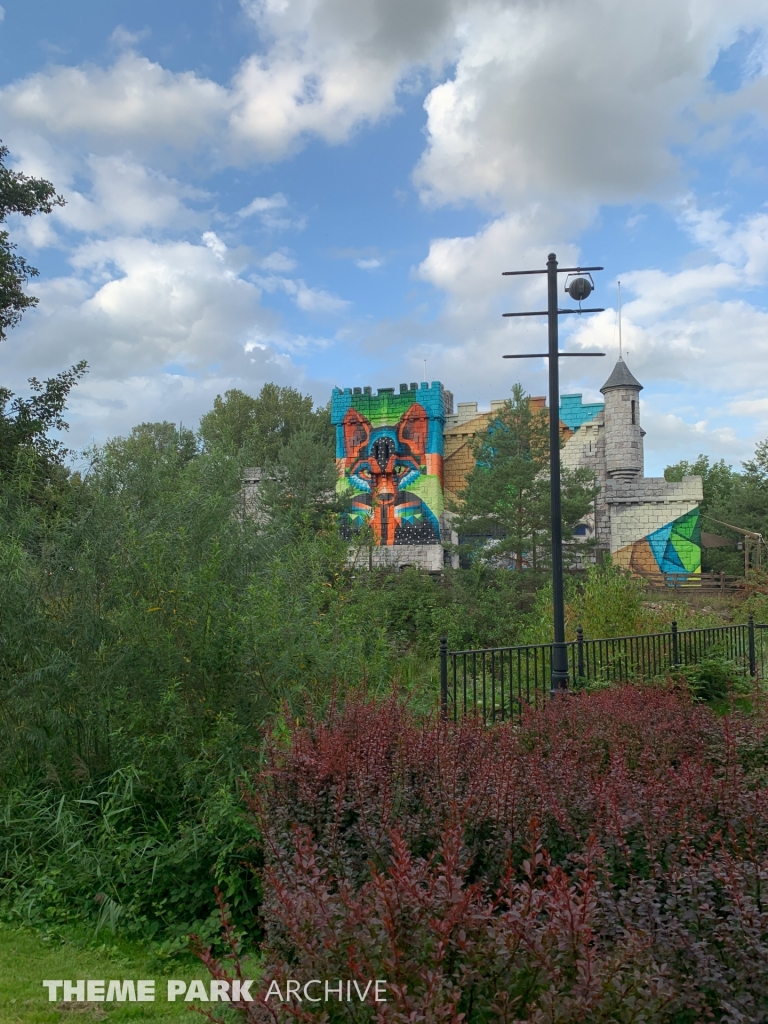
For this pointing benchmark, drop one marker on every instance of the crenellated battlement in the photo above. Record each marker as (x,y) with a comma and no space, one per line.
(388,404)
(403,389)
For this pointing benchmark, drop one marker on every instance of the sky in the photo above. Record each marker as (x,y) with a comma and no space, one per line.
(325,193)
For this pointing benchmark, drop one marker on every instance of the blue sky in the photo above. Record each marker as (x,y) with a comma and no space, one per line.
(325,192)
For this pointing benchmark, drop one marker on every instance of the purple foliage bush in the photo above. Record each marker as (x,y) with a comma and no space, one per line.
(605,860)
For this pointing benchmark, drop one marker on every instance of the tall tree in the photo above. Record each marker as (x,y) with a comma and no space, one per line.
(747,502)
(506,496)
(25,423)
(740,499)
(26,196)
(162,442)
(257,428)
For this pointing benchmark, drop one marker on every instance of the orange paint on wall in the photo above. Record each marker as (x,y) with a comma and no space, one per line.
(434,463)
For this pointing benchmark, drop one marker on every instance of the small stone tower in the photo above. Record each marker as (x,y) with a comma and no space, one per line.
(623,436)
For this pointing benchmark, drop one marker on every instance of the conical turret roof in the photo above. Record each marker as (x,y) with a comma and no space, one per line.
(621,378)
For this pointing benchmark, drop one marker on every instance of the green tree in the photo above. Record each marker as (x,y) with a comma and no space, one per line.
(506,496)
(157,441)
(747,503)
(717,479)
(740,499)
(26,196)
(25,424)
(257,428)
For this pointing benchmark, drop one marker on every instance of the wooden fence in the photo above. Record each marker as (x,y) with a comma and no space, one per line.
(707,581)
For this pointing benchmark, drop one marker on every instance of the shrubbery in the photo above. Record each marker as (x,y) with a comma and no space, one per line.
(151,632)
(148,633)
(605,861)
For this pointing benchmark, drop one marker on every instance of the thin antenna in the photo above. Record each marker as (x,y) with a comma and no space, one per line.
(425,370)
(619,319)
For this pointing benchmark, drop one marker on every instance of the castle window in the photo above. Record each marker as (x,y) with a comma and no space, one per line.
(634,420)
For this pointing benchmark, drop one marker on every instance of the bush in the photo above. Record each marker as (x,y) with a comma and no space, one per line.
(606,860)
(715,677)
(146,628)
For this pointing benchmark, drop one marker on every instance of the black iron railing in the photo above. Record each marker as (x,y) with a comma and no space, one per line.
(497,683)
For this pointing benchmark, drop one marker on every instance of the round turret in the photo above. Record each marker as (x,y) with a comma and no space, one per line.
(623,435)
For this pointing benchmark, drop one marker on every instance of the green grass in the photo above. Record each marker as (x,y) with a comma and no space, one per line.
(26,958)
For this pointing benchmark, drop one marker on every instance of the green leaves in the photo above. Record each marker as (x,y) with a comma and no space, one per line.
(26,196)
(505,504)
(257,428)
(740,499)
(31,462)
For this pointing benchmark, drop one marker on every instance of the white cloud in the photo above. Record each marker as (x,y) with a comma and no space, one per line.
(264,204)
(165,302)
(331,65)
(677,330)
(671,437)
(164,327)
(315,300)
(278,263)
(265,207)
(369,264)
(310,300)
(327,67)
(744,245)
(127,196)
(585,98)
(469,268)
(215,244)
(581,101)
(123,38)
(135,102)
(636,220)
(750,407)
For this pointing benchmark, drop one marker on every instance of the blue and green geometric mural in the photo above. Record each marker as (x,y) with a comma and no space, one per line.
(674,548)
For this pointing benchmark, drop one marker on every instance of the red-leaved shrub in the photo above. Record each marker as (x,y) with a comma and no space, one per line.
(605,860)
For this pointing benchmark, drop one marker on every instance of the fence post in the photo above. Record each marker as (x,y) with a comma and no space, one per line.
(752,658)
(444,678)
(675,648)
(580,649)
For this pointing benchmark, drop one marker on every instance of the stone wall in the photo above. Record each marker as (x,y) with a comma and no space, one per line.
(458,460)
(429,557)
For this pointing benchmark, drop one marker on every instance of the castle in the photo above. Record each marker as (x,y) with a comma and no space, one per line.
(401,454)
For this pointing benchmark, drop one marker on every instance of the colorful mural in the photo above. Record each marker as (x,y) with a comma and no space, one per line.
(675,548)
(389,453)
(574,413)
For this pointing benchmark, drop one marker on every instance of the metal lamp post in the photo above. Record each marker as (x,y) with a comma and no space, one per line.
(580,288)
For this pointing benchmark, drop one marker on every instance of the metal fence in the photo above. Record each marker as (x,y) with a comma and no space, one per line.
(497,683)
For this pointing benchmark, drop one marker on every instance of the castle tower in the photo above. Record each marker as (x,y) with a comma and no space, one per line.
(623,436)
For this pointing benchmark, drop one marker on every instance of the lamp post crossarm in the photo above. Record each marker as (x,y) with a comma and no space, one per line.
(544,312)
(560,270)
(545,355)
